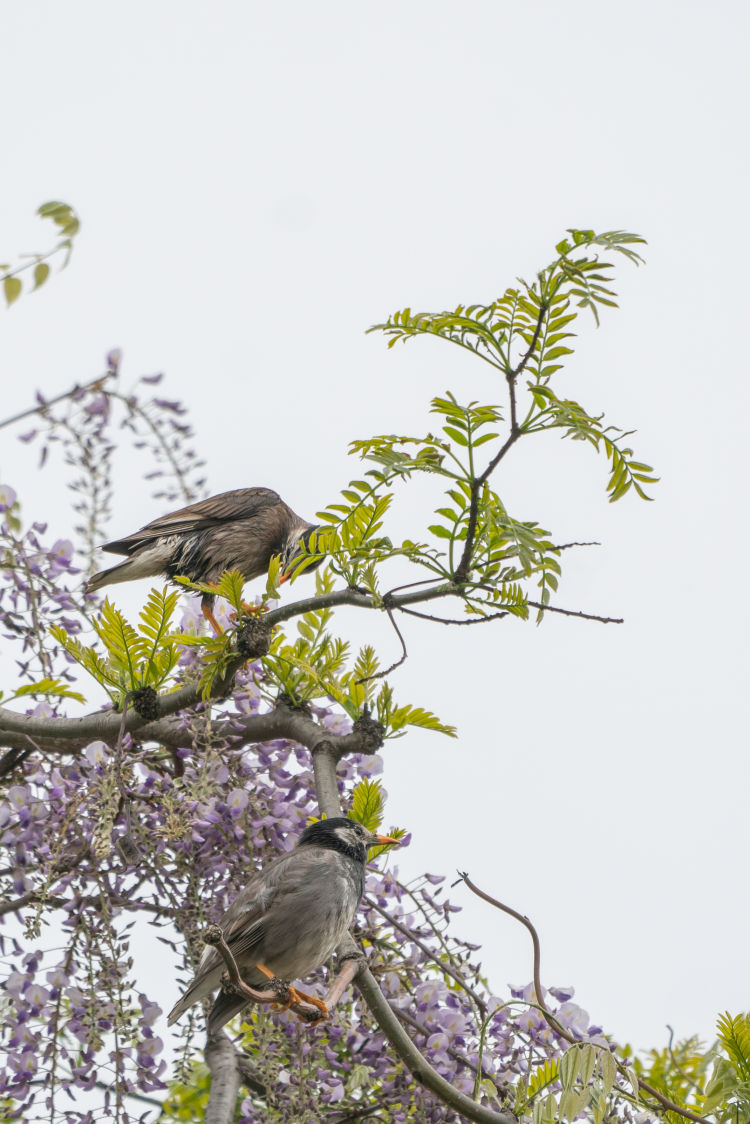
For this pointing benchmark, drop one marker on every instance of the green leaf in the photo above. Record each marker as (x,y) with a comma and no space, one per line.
(368,803)
(608,1069)
(569,1067)
(12,289)
(50,687)
(459,437)
(41,273)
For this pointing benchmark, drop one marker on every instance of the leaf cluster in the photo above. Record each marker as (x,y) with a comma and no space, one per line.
(527,330)
(350,536)
(711,1082)
(48,687)
(581,1081)
(144,656)
(316,665)
(368,808)
(68,225)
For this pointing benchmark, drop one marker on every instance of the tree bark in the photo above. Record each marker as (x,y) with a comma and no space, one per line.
(223,1063)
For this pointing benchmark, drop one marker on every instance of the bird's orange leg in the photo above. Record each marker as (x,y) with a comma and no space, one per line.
(254,610)
(296,996)
(207,608)
(208,614)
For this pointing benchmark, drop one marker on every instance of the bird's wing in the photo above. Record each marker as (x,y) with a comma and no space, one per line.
(242,503)
(263,916)
(242,922)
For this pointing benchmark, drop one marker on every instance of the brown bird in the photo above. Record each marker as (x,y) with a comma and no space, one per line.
(239,530)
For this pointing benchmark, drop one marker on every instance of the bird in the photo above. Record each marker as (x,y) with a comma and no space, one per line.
(289,918)
(237,530)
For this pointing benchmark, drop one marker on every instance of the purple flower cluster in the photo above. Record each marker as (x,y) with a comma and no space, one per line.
(85,427)
(34,594)
(202,815)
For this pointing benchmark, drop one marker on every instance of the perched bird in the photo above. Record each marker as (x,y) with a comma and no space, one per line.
(290,916)
(239,530)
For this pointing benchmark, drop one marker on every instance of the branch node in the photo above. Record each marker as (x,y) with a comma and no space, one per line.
(370,731)
(254,638)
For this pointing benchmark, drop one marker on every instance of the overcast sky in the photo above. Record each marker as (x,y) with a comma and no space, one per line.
(258,183)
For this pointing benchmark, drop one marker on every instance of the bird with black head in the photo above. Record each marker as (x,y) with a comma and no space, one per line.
(239,530)
(289,918)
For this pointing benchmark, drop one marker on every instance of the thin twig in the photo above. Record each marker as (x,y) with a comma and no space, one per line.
(575,613)
(42,406)
(543,310)
(462,570)
(279,993)
(404,653)
(464,877)
(676,1064)
(14,756)
(215,937)
(27,899)
(570,545)
(452,620)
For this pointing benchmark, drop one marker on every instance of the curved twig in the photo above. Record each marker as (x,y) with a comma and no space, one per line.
(404,653)
(665,1102)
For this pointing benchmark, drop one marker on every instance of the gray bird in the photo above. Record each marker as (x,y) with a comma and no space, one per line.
(290,916)
(239,530)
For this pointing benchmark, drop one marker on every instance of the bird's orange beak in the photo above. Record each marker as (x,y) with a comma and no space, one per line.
(284,578)
(384,840)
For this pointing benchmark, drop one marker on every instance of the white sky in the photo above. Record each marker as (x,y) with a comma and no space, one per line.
(259,183)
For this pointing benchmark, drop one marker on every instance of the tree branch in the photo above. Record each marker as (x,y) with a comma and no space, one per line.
(462,570)
(415,1061)
(442,965)
(223,1063)
(575,613)
(404,653)
(279,991)
(77,389)
(405,1017)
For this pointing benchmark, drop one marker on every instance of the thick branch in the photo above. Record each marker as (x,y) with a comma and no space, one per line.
(417,1064)
(31,896)
(223,1062)
(69,735)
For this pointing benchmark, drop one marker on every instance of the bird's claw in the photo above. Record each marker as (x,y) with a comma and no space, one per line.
(292,997)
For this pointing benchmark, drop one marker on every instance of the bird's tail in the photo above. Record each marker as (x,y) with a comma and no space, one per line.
(225,1008)
(198,990)
(111,576)
(145,563)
